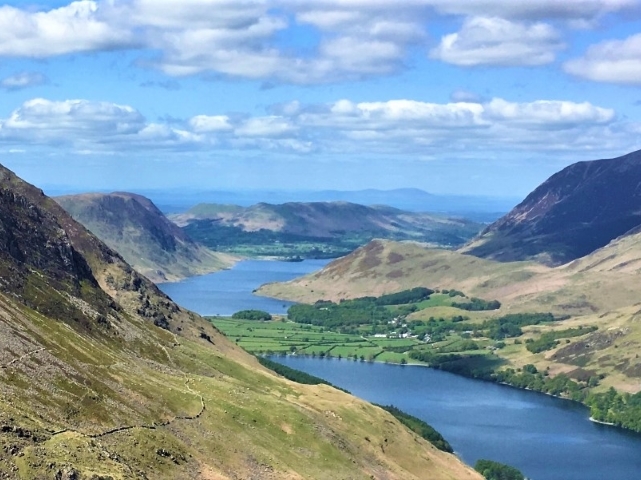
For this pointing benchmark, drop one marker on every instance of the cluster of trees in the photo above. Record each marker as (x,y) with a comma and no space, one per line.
(359,311)
(622,409)
(477,305)
(419,427)
(497,328)
(560,385)
(497,471)
(413,295)
(549,340)
(332,315)
(510,325)
(259,315)
(453,293)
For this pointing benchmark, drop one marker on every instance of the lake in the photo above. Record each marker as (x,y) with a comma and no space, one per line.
(228,291)
(547,438)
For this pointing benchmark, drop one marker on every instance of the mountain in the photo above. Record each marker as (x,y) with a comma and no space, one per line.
(133,226)
(325,221)
(103,376)
(576,211)
(476,207)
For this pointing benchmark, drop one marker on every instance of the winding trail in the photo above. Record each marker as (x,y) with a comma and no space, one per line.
(19,359)
(153,426)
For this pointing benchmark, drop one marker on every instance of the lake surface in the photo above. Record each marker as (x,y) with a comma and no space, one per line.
(228,291)
(546,438)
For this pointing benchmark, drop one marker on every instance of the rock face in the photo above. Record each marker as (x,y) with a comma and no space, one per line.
(45,253)
(132,225)
(573,213)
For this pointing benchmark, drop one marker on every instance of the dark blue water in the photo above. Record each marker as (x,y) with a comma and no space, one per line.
(228,291)
(546,438)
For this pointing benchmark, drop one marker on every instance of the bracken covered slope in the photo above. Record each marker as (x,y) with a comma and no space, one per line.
(102,376)
(576,211)
(132,225)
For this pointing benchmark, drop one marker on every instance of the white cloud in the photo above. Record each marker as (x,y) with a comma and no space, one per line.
(83,125)
(46,116)
(535,10)
(547,114)
(210,123)
(240,38)
(272,126)
(496,41)
(19,81)
(395,114)
(401,126)
(76,27)
(614,61)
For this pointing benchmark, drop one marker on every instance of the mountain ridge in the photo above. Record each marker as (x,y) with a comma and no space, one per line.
(330,220)
(570,215)
(136,228)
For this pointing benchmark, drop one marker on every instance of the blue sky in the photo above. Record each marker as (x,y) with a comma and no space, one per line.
(482,97)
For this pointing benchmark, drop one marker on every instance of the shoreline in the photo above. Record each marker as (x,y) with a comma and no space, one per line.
(609,424)
(590,418)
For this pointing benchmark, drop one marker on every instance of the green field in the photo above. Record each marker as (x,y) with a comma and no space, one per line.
(365,329)
(280,336)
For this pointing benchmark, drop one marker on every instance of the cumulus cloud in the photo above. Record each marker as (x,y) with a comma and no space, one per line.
(496,41)
(19,81)
(614,61)
(81,124)
(77,27)
(535,10)
(345,127)
(240,38)
(210,123)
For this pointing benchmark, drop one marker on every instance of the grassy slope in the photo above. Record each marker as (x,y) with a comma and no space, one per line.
(254,425)
(601,290)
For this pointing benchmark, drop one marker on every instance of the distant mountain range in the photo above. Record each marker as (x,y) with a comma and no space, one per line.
(478,208)
(132,225)
(576,211)
(348,225)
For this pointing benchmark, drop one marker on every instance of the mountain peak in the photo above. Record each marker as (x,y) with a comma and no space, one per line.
(576,211)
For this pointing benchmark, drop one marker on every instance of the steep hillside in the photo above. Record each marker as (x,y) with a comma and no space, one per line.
(576,211)
(134,227)
(317,229)
(103,376)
